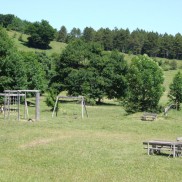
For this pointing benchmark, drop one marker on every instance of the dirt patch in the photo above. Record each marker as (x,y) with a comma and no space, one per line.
(39,142)
(124,137)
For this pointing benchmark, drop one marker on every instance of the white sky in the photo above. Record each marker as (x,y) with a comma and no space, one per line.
(151,15)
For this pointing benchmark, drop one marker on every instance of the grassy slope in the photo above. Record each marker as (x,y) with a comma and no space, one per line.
(56,47)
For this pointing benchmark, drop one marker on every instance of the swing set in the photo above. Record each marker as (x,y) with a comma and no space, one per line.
(12,106)
(79,98)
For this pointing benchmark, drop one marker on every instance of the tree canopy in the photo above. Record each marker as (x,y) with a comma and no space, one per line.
(144,79)
(12,69)
(41,33)
(84,69)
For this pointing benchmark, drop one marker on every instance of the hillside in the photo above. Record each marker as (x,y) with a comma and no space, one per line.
(56,47)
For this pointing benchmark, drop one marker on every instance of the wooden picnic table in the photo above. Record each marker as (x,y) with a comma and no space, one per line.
(156,146)
(148,116)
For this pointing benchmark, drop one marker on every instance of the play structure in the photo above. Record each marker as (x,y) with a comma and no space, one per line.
(79,98)
(12,106)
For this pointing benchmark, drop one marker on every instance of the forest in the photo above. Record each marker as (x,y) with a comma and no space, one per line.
(92,63)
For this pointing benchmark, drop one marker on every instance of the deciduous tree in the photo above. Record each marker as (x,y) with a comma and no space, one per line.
(175,93)
(145,79)
(41,33)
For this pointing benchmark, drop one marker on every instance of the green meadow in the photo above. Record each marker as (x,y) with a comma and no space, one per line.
(55,47)
(106,146)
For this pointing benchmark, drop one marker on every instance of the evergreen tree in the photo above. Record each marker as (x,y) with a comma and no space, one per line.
(62,34)
(88,34)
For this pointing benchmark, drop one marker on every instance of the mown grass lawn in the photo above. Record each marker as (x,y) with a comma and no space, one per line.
(106,146)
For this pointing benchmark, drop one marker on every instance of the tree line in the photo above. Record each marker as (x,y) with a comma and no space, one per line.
(136,42)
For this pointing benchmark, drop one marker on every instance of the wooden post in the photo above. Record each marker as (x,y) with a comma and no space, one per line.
(5,106)
(174,151)
(82,107)
(37,106)
(18,106)
(25,107)
(148,152)
(55,107)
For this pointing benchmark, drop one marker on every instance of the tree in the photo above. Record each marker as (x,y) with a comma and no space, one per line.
(151,44)
(114,72)
(166,46)
(84,69)
(88,34)
(6,20)
(74,34)
(175,93)
(12,68)
(178,46)
(136,41)
(62,34)
(51,98)
(41,33)
(121,40)
(36,77)
(145,79)
(105,38)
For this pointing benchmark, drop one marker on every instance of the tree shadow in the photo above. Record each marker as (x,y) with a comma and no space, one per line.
(35,47)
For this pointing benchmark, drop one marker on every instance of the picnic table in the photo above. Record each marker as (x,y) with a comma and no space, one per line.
(156,146)
(148,116)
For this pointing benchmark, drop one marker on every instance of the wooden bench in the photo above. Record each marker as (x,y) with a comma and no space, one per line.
(148,116)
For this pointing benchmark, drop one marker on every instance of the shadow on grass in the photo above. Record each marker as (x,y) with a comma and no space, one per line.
(35,47)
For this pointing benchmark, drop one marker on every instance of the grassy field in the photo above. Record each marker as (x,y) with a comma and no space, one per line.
(106,146)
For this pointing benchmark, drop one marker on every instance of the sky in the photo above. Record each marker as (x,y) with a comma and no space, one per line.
(162,16)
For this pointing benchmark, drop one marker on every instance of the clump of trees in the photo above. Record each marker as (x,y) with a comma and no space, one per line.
(12,69)
(41,33)
(22,70)
(84,69)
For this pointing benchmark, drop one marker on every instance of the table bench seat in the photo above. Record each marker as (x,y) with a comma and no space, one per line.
(148,116)
(156,147)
